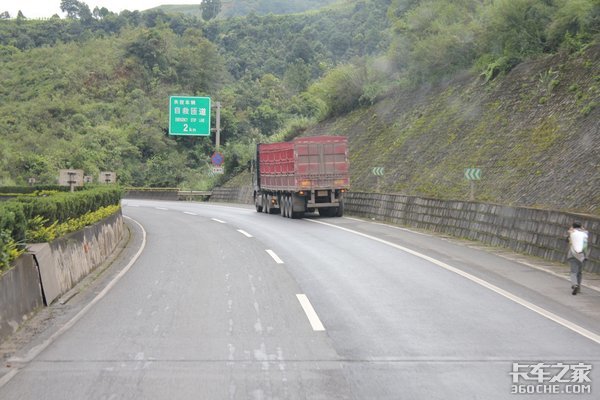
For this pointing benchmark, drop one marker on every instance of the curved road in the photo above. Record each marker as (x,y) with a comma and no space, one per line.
(227,303)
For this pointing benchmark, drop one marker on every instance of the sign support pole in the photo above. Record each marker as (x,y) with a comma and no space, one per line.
(218,126)
(472,196)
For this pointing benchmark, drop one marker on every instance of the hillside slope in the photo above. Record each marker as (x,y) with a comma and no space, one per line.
(535,134)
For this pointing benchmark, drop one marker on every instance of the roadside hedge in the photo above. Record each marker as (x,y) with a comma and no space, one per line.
(64,206)
(31,189)
(58,208)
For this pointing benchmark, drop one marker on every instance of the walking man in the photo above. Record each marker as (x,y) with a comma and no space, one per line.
(577,255)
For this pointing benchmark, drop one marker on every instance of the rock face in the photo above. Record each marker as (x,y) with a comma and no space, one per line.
(534,133)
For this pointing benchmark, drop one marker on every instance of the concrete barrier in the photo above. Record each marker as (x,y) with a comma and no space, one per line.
(530,231)
(20,295)
(241,195)
(51,269)
(152,194)
(67,260)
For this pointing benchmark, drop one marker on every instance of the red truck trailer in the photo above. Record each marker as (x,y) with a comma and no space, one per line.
(304,175)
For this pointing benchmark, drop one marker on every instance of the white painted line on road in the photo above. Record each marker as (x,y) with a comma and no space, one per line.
(539,310)
(355,219)
(244,233)
(162,208)
(274,256)
(33,353)
(189,213)
(387,225)
(401,229)
(219,221)
(310,312)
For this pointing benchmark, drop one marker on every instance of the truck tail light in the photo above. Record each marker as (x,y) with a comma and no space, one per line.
(305,183)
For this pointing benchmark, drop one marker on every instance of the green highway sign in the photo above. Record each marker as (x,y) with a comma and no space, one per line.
(189,116)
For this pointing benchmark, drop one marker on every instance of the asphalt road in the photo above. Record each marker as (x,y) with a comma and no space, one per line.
(227,303)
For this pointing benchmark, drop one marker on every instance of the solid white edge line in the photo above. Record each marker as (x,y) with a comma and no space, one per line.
(219,221)
(274,256)
(33,353)
(539,310)
(243,232)
(310,312)
(189,213)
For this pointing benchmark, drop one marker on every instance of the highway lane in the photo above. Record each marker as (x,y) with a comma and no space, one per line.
(208,313)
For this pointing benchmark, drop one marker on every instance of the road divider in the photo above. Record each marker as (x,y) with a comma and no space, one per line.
(219,221)
(189,213)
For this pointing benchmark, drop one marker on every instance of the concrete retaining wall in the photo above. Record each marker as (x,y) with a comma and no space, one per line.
(242,195)
(152,194)
(530,231)
(51,269)
(20,295)
(65,261)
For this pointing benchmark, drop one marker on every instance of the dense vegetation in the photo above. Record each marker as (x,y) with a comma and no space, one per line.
(239,8)
(44,215)
(90,91)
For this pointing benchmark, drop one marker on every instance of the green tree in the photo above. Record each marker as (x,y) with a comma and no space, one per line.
(574,19)
(340,90)
(76,9)
(266,119)
(210,9)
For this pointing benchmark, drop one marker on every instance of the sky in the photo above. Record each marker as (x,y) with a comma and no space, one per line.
(47,8)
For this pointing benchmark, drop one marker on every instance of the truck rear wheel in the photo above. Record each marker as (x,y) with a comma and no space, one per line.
(288,206)
(283,205)
(340,210)
(258,203)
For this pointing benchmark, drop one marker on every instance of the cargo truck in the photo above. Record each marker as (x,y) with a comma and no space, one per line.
(304,175)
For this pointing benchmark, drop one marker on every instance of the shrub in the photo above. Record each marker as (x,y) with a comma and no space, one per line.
(340,89)
(40,230)
(39,219)
(9,250)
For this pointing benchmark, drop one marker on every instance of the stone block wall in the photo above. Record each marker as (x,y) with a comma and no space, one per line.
(240,195)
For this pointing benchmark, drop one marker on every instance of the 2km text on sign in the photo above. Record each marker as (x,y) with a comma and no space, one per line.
(189,116)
